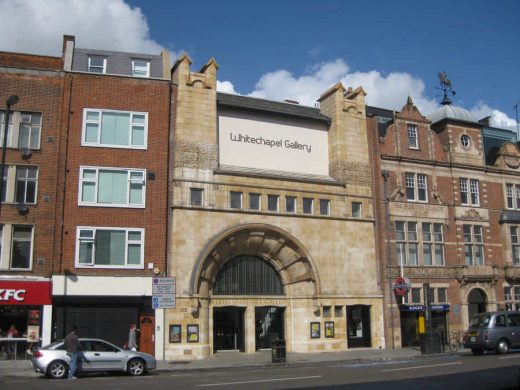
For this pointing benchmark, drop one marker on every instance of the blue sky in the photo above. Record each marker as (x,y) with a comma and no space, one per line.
(297,49)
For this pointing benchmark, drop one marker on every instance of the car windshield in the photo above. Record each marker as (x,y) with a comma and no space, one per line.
(481,320)
(53,345)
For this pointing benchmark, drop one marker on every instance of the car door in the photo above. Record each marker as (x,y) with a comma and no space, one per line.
(104,356)
(513,321)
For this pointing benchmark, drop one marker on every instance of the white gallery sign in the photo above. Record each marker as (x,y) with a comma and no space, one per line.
(256,141)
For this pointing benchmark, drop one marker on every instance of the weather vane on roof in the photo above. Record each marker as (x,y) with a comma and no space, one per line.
(446,88)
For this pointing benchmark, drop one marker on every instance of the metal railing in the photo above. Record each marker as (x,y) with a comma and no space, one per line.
(16,348)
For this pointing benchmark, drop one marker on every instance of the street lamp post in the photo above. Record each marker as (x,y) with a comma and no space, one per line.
(12,100)
(517,124)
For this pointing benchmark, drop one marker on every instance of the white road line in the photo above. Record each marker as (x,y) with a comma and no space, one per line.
(417,367)
(509,357)
(261,381)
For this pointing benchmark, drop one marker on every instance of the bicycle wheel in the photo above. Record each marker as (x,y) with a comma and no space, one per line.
(453,345)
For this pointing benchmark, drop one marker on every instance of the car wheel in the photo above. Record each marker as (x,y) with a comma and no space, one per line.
(136,367)
(502,346)
(477,351)
(57,369)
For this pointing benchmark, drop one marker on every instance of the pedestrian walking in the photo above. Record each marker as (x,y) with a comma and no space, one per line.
(74,350)
(132,335)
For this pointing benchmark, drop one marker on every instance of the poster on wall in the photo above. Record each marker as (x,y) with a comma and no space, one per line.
(193,333)
(33,333)
(250,140)
(175,333)
(315,330)
(329,329)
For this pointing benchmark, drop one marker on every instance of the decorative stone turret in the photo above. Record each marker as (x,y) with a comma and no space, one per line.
(348,142)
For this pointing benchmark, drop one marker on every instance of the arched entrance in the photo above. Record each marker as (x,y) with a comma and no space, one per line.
(248,275)
(477,303)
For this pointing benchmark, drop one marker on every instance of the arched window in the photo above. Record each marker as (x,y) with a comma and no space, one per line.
(247,275)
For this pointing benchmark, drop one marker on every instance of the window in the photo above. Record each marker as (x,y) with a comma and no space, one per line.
(433,247)
(416,295)
(116,129)
(406,243)
(327,311)
(290,204)
(97,64)
(515,244)
(141,68)
(112,187)
(324,207)
(308,205)
(469,192)
(513,196)
(110,247)
(272,202)
(16,242)
(356,209)
(23,131)
(338,311)
(409,245)
(442,295)
(235,200)
(465,141)
(254,201)
(473,245)
(25,180)
(416,187)
(512,298)
(412,137)
(196,196)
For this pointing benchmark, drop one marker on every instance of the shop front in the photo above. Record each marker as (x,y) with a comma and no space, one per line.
(25,315)
(413,323)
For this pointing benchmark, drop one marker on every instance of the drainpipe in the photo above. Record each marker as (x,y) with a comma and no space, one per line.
(385,175)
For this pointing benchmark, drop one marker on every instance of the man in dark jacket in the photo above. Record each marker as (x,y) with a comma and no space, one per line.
(74,350)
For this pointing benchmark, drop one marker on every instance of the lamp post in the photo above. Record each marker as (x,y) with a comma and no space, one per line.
(517,124)
(12,100)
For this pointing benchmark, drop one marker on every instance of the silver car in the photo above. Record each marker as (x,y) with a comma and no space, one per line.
(53,361)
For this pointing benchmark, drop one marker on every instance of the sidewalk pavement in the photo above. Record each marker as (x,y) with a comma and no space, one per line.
(251,360)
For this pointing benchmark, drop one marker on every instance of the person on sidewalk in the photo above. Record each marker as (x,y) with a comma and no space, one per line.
(132,343)
(12,333)
(74,350)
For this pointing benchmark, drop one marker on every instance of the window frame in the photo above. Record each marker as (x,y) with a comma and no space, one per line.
(472,245)
(407,239)
(311,211)
(26,180)
(357,209)
(288,200)
(413,139)
(15,127)
(469,192)
(241,198)
(466,137)
(128,242)
(327,203)
(514,235)
(416,186)
(147,62)
(99,123)
(512,193)
(275,197)
(129,172)
(90,66)
(196,190)
(255,195)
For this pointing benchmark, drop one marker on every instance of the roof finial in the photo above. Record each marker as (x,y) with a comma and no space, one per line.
(446,88)
(409,101)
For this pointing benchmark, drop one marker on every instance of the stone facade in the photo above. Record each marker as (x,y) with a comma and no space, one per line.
(323,261)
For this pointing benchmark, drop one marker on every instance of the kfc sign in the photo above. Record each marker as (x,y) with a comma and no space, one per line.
(25,293)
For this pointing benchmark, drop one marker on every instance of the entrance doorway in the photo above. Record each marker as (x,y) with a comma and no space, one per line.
(358,326)
(146,334)
(477,300)
(228,328)
(269,325)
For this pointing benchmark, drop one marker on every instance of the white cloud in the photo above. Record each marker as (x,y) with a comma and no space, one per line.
(37,27)
(226,86)
(498,118)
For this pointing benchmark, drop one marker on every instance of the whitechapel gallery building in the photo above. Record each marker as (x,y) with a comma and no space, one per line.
(272,225)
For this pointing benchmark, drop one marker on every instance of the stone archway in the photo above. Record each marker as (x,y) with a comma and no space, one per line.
(276,246)
(477,302)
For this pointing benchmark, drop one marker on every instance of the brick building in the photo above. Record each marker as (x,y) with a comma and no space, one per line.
(446,207)
(29,241)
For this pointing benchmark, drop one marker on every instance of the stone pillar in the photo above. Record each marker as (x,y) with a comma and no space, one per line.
(249,329)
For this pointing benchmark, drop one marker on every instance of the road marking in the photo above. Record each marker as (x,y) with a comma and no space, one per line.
(261,381)
(416,367)
(509,357)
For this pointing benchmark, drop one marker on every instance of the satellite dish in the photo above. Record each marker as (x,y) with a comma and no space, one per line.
(25,152)
(22,208)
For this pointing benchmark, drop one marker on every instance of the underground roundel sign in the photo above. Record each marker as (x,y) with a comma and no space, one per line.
(401,286)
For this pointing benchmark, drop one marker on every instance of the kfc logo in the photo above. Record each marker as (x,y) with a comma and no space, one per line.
(17,295)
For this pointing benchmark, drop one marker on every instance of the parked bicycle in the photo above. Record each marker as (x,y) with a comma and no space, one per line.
(455,342)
